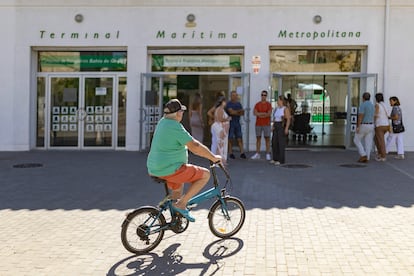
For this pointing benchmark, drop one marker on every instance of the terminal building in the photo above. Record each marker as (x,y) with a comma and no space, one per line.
(90,75)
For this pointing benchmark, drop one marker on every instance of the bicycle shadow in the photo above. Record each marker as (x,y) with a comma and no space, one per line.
(171,262)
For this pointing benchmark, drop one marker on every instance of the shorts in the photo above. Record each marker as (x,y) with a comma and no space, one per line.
(187,173)
(235,131)
(264,129)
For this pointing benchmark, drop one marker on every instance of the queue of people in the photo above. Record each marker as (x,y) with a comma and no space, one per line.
(273,124)
(373,124)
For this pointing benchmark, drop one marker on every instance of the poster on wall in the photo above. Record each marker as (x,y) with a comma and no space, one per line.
(107,118)
(72,119)
(89,119)
(354,110)
(64,110)
(108,127)
(98,119)
(55,119)
(69,95)
(98,109)
(89,127)
(100,91)
(98,127)
(73,127)
(64,119)
(72,110)
(64,127)
(108,109)
(55,127)
(90,109)
(353,128)
(56,110)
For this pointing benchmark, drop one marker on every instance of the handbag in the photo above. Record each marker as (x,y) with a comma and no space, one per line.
(398,128)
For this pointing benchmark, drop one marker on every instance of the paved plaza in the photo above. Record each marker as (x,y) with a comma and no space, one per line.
(322,214)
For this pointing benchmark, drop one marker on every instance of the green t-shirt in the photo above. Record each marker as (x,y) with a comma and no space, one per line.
(168,148)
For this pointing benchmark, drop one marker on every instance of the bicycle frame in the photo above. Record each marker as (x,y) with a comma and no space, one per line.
(214,192)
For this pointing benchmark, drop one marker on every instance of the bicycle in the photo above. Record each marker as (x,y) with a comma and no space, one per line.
(143,229)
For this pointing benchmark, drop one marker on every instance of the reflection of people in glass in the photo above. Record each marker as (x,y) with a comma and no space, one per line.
(196,118)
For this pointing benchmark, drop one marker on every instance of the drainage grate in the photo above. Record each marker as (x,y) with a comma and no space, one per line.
(352,165)
(296,166)
(28,165)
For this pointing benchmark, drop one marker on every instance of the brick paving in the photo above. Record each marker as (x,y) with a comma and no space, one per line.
(64,218)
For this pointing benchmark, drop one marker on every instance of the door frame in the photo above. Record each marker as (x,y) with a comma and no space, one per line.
(81,104)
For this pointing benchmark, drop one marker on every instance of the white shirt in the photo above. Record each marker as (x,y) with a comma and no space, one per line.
(381,119)
(279,114)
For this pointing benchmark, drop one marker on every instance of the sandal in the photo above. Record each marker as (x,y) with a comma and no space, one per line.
(185,213)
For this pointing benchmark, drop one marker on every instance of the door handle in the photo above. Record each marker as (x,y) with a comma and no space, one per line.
(81,113)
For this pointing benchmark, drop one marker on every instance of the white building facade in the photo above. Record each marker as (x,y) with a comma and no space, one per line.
(95,74)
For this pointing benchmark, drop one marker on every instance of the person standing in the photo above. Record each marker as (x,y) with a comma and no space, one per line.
(382,126)
(365,128)
(220,129)
(235,110)
(398,128)
(210,120)
(196,118)
(263,112)
(281,123)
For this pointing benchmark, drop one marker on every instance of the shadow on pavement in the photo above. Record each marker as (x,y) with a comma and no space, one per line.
(108,180)
(172,263)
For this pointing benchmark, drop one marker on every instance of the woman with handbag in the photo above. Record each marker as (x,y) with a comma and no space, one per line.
(382,126)
(397,128)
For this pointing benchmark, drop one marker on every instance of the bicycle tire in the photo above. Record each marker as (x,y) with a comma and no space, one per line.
(133,233)
(221,226)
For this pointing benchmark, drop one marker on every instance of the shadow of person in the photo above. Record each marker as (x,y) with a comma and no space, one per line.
(171,261)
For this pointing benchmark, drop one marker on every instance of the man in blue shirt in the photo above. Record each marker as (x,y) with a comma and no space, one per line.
(235,110)
(365,128)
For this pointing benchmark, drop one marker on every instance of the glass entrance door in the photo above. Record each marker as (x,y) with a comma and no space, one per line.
(98,104)
(152,86)
(64,107)
(321,99)
(357,85)
(81,112)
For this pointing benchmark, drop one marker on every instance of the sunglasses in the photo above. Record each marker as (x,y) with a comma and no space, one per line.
(264,95)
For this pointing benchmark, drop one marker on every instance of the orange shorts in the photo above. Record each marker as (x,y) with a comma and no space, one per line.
(187,173)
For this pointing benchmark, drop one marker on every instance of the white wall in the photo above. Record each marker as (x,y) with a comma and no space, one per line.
(257,28)
(7,88)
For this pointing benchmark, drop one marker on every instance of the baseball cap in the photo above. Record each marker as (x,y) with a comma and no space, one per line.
(173,106)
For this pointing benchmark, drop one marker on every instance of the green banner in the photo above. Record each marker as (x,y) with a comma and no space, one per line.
(84,62)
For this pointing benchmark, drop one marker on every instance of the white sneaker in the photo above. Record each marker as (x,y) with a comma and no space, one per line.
(256,156)
(400,156)
(268,157)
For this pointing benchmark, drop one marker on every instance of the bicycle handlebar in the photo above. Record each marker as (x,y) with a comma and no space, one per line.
(220,165)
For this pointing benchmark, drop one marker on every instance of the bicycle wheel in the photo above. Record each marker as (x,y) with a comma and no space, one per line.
(142,230)
(223,225)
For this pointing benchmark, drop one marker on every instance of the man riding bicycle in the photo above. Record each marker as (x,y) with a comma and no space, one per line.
(168,157)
